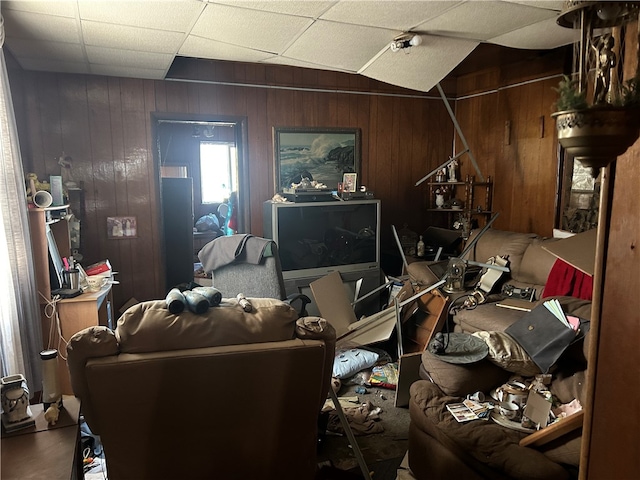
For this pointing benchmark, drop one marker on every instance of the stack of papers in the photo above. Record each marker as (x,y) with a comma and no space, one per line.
(555,308)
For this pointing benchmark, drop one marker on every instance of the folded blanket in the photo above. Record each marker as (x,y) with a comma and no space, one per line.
(222,251)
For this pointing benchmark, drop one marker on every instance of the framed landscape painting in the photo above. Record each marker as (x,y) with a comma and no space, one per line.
(320,154)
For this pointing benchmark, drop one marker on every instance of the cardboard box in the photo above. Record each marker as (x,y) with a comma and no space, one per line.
(578,251)
(408,372)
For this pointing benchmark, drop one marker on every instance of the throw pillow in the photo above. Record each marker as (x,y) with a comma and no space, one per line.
(506,353)
(349,362)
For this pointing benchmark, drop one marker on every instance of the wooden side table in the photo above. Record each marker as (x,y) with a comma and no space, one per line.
(44,451)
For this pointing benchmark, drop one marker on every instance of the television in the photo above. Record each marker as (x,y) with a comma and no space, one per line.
(317,238)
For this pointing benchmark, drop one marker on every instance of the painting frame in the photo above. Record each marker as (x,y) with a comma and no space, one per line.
(122,227)
(325,153)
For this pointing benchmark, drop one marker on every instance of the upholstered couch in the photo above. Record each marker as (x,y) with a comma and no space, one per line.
(529,264)
(226,394)
(441,448)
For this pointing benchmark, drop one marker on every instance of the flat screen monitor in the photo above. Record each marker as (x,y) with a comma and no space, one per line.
(317,238)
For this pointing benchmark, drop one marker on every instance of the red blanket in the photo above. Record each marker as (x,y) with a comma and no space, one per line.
(567,280)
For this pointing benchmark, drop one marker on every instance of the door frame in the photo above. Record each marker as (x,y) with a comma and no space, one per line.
(241,139)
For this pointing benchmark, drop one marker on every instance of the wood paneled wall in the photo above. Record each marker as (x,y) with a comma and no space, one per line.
(505,116)
(104,124)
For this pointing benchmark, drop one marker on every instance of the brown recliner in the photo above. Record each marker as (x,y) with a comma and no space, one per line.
(227,394)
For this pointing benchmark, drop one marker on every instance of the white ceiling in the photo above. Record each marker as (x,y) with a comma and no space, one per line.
(141,38)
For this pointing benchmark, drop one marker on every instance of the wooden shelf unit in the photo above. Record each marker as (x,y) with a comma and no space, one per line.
(86,310)
(465,191)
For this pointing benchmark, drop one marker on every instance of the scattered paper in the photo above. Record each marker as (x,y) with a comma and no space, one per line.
(469,410)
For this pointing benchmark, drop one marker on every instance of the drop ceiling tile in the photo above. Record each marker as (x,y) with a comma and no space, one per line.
(420,68)
(481,20)
(59,51)
(307,8)
(128,72)
(49,65)
(542,35)
(59,8)
(198,47)
(343,46)
(130,38)
(292,62)
(266,31)
(128,58)
(548,4)
(41,27)
(402,16)
(176,16)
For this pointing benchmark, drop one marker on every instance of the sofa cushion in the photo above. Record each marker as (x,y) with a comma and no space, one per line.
(420,273)
(150,327)
(499,242)
(565,450)
(460,380)
(506,353)
(536,264)
(486,442)
(486,317)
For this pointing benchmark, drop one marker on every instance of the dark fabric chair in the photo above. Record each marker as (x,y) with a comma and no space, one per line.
(248,265)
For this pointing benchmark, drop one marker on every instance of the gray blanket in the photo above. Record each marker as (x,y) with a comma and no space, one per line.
(233,248)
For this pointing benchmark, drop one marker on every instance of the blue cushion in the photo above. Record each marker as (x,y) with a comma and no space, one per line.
(349,362)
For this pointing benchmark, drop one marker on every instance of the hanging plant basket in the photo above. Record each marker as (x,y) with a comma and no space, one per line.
(597,135)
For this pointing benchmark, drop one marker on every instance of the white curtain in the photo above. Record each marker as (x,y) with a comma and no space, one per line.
(20,327)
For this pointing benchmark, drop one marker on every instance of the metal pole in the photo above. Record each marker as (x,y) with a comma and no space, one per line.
(477,237)
(445,164)
(350,436)
(459,130)
(404,259)
(398,328)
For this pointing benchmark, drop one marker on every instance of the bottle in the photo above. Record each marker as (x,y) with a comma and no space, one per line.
(420,247)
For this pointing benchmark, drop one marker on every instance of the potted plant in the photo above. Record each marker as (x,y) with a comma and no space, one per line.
(597,132)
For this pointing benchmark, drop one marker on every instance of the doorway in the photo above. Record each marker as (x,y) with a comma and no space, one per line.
(209,154)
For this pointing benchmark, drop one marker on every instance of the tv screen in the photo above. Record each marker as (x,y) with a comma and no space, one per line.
(314,238)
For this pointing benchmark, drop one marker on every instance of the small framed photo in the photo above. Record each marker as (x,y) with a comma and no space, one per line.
(349,182)
(122,227)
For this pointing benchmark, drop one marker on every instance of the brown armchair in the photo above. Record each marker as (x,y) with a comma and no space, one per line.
(227,394)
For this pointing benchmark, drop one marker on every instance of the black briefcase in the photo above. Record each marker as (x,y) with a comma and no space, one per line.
(544,337)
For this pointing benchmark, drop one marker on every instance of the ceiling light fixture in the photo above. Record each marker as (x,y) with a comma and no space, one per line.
(405,40)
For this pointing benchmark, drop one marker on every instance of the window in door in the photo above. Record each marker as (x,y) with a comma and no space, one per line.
(218,171)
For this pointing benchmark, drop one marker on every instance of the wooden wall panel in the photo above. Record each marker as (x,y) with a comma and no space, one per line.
(502,127)
(404,136)
(612,452)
